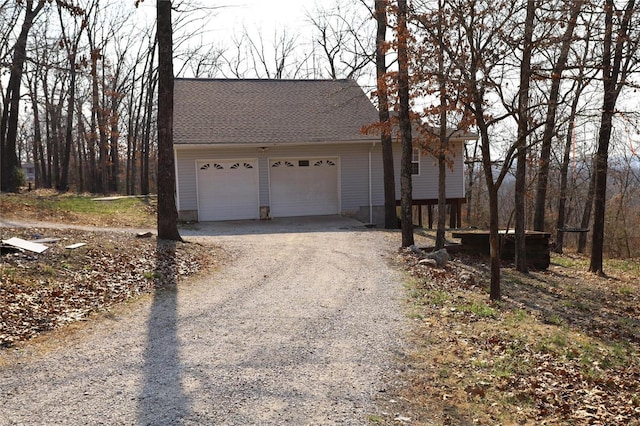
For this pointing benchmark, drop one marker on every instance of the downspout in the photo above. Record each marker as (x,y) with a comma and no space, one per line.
(177,185)
(371,187)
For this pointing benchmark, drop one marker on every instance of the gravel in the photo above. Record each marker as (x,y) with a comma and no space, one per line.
(302,327)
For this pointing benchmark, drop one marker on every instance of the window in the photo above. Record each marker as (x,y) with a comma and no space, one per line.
(415,161)
(303,163)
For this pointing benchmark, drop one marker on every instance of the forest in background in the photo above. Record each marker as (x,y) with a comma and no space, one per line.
(88,87)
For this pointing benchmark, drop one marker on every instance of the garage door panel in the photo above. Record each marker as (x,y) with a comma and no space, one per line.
(228,190)
(304,187)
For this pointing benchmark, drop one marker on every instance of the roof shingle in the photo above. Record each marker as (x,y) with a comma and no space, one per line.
(222,111)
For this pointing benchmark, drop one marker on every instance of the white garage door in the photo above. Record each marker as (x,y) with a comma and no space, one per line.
(228,190)
(303,187)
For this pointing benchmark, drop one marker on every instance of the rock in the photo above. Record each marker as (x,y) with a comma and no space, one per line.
(415,249)
(466,278)
(441,257)
(144,235)
(428,262)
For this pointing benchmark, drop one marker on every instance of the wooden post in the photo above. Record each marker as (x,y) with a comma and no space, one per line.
(452,215)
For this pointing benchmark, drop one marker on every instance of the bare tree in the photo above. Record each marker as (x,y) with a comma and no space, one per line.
(523,132)
(10,164)
(71,47)
(620,46)
(575,7)
(404,116)
(167,212)
(256,57)
(343,35)
(390,215)
(480,28)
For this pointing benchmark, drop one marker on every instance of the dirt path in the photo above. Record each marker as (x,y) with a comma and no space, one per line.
(300,329)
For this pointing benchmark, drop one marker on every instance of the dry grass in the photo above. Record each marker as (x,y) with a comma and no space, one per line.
(50,206)
(561,348)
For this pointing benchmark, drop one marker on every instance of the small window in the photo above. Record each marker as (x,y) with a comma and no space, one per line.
(318,163)
(235,166)
(303,163)
(205,167)
(330,163)
(248,166)
(288,164)
(415,161)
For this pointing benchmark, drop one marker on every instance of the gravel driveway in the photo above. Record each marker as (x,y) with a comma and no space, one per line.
(301,328)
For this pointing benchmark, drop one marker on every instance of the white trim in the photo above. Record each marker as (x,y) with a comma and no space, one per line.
(208,145)
(419,162)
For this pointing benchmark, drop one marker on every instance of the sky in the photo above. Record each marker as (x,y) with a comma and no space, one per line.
(265,15)
(268,14)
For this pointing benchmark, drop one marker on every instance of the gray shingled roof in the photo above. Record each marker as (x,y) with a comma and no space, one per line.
(218,111)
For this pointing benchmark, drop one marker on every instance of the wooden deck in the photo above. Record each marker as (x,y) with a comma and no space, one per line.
(536,243)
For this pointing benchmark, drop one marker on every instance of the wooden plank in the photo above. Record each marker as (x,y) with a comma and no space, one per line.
(25,245)
(75,246)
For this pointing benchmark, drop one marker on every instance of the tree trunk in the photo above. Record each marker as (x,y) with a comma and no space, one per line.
(495,292)
(443,142)
(523,131)
(550,122)
(63,182)
(146,137)
(9,161)
(600,191)
(406,187)
(564,179)
(613,76)
(114,136)
(471,168)
(588,209)
(167,212)
(390,215)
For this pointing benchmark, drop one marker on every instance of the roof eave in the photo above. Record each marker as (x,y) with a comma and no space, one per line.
(270,144)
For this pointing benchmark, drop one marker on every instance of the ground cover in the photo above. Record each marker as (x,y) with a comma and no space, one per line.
(561,348)
(42,292)
(47,205)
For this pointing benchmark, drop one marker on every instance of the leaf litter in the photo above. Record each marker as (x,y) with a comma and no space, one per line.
(41,292)
(561,348)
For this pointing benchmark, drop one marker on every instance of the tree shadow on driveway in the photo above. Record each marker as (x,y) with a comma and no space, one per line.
(162,399)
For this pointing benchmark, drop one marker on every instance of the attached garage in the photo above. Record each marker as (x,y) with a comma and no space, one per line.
(286,148)
(227,189)
(304,186)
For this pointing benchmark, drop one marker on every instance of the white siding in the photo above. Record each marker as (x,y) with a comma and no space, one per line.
(425,185)
(354,171)
(353,161)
